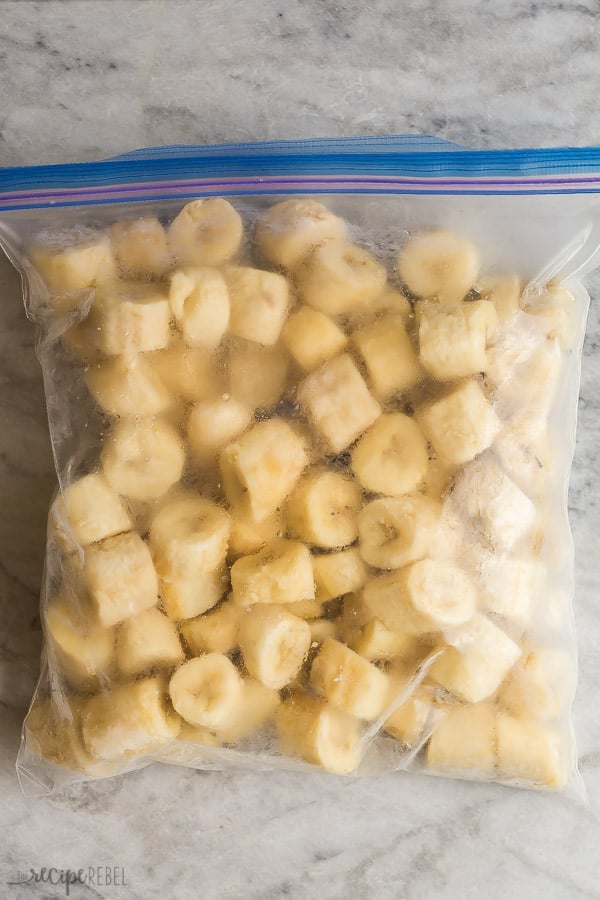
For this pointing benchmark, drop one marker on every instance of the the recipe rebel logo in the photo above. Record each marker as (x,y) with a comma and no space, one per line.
(92,876)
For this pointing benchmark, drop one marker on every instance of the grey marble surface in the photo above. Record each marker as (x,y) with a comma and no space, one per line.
(87,79)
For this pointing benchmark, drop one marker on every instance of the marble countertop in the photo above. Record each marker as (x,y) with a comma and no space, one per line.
(87,78)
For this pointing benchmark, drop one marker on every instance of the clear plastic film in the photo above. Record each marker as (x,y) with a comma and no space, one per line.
(313,412)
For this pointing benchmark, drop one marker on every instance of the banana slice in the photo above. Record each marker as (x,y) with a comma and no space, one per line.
(133,317)
(142,459)
(453,340)
(215,631)
(375,642)
(477,659)
(258,708)
(213,424)
(321,629)
(140,247)
(388,354)
(553,308)
(84,650)
(248,536)
(322,509)
(188,538)
(310,728)
(274,644)
(312,338)
(206,232)
(148,641)
(91,510)
(530,751)
(348,681)
(461,425)
(465,741)
(340,278)
(262,467)
(440,265)
(128,720)
(508,585)
(541,685)
(120,577)
(408,722)
(55,734)
(391,458)
(390,301)
(279,573)
(199,300)
(394,531)
(337,402)
(190,374)
(337,574)
(305,609)
(257,375)
(207,691)
(522,449)
(259,303)
(288,231)
(186,596)
(426,596)
(128,387)
(504,292)
(74,266)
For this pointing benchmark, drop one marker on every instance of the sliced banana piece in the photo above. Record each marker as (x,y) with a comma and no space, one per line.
(274,644)
(340,278)
(248,536)
(338,573)
(391,458)
(84,650)
(312,338)
(394,531)
(504,292)
(257,375)
(530,751)
(279,573)
(440,265)
(91,510)
(464,741)
(199,300)
(188,537)
(259,303)
(213,424)
(143,458)
(74,266)
(348,681)
(388,354)
(322,509)
(216,631)
(312,729)
(133,317)
(128,387)
(207,691)
(554,309)
(321,629)
(258,707)
(460,425)
(148,641)
(140,247)
(207,232)
(288,231)
(374,642)
(453,340)
(186,596)
(189,373)
(408,722)
(541,685)
(120,577)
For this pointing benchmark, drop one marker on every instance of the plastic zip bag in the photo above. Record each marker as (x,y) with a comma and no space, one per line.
(312,434)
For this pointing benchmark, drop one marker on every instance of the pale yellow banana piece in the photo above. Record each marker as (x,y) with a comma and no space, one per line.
(248,536)
(91,510)
(394,531)
(259,303)
(355,614)
(189,373)
(148,641)
(257,375)
(554,308)
(279,573)
(437,479)
(186,596)
(55,735)
(530,751)
(340,278)
(541,685)
(408,722)
(213,424)
(453,340)
(199,301)
(523,451)
(84,650)
(320,630)
(461,425)
(288,231)
(74,266)
(322,509)
(258,707)
(133,317)
(189,536)
(216,631)
(391,458)
(140,247)
(128,720)
(337,402)
(477,659)
(274,644)
(207,691)
(206,232)
(312,729)
(465,741)
(262,467)
(312,338)
(508,585)
(511,347)
(305,609)
(451,534)
(429,595)
(504,292)
(348,681)
(440,265)
(388,354)
(128,387)
(143,458)
(338,573)
(120,577)
(531,392)
(390,301)
(374,641)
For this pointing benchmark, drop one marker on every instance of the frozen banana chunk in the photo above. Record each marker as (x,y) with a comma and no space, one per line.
(541,685)
(390,301)
(338,573)
(429,595)
(477,659)
(530,751)
(207,691)
(391,458)
(81,342)
(553,308)
(133,317)
(388,354)
(143,458)
(453,340)
(338,403)
(248,536)
(129,720)
(140,247)
(259,303)
(215,631)
(312,338)
(322,509)
(55,734)
(188,596)
(339,278)
(439,265)
(207,232)
(213,424)
(374,641)
(257,375)
(147,641)
(128,387)
(74,266)
(312,729)
(418,707)
(84,650)
(286,232)
(508,585)
(257,708)
(395,531)
(504,292)
(465,741)
(189,373)
(91,510)
(274,644)
(461,425)
(348,681)
(120,577)
(199,301)
(321,629)
(305,609)
(262,467)
(530,393)
(279,573)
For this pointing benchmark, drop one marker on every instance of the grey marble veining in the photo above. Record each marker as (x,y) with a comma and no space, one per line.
(87,79)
